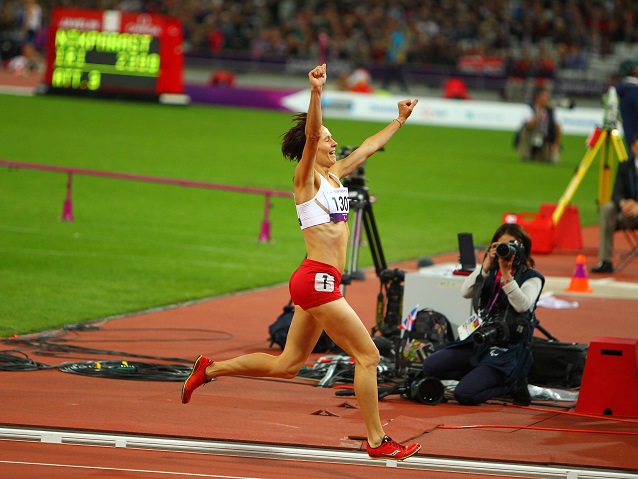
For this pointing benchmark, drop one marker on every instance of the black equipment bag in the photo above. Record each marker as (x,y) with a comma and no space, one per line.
(557,364)
(430,331)
(278,331)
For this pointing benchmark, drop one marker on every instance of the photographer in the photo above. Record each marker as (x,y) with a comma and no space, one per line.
(495,358)
(539,137)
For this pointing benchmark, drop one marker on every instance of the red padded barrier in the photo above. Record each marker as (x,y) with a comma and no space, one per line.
(610,380)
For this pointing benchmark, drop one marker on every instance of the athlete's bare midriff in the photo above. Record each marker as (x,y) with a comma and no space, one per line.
(328,243)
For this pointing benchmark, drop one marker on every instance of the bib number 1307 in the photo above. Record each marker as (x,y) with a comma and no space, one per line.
(338,200)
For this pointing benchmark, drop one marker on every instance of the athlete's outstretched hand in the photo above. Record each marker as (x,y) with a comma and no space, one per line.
(318,76)
(406,107)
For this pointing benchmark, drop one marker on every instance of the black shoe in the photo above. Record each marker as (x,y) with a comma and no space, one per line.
(603,267)
(521,395)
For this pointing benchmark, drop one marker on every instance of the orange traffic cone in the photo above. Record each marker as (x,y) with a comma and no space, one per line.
(580,282)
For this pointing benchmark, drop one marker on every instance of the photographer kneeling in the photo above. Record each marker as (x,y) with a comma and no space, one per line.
(494,359)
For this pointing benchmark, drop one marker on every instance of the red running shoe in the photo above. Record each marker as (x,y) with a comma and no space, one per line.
(390,449)
(196,378)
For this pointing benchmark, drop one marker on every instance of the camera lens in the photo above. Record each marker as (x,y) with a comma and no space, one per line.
(505,250)
(485,335)
(428,391)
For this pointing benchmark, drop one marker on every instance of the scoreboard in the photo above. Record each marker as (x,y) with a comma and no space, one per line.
(108,51)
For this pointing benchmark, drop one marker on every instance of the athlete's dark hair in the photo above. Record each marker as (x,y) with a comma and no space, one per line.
(294,140)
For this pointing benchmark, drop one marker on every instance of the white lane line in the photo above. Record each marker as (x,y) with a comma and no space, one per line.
(118,469)
(267,451)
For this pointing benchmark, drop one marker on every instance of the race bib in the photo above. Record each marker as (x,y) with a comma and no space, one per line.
(338,204)
(469,326)
(324,283)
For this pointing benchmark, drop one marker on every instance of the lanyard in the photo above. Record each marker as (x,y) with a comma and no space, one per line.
(496,292)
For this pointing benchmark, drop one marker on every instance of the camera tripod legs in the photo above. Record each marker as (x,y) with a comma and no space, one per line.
(363,214)
(355,242)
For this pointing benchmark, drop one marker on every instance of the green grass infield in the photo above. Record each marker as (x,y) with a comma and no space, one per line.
(137,245)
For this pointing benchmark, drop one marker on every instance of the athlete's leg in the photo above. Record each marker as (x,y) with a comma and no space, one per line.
(302,337)
(346,329)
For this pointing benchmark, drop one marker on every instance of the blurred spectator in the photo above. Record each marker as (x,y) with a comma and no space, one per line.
(9,41)
(456,89)
(222,78)
(574,58)
(519,71)
(539,137)
(395,57)
(31,26)
(215,40)
(544,71)
(431,33)
(358,80)
(441,52)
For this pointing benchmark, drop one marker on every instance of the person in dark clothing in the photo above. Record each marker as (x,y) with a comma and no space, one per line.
(539,137)
(627,91)
(488,364)
(621,210)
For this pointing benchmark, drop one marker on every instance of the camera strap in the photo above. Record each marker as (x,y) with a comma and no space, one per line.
(476,294)
(497,288)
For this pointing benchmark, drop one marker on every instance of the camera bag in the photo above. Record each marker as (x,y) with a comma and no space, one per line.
(557,364)
(430,331)
(278,332)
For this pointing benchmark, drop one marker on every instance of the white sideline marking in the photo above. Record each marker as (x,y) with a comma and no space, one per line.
(266,451)
(118,469)
(603,288)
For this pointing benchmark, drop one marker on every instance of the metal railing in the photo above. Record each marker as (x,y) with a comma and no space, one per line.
(67,207)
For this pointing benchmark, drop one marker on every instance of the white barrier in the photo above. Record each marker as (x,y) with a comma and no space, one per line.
(442,112)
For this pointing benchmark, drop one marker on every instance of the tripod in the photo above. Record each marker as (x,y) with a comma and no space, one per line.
(388,313)
(607,140)
(361,204)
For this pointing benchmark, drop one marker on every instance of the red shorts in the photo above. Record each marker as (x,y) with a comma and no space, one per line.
(314,284)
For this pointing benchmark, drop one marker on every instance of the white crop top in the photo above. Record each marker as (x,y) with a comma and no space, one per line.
(329,204)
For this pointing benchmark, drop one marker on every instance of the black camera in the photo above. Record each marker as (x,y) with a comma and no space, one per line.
(345,151)
(511,249)
(419,388)
(392,279)
(356,179)
(427,391)
(388,275)
(506,328)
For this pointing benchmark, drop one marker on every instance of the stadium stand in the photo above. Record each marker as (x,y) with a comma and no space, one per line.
(480,42)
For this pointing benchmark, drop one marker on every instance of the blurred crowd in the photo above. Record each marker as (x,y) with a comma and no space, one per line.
(521,34)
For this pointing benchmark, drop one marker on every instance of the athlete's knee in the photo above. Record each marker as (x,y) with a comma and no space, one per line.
(287,369)
(369,358)
(290,372)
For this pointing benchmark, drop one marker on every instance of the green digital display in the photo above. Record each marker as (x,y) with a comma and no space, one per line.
(92,60)
(110,52)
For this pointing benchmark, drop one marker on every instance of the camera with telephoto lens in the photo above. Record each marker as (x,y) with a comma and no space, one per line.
(508,327)
(425,390)
(388,275)
(356,180)
(392,279)
(511,249)
(345,151)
